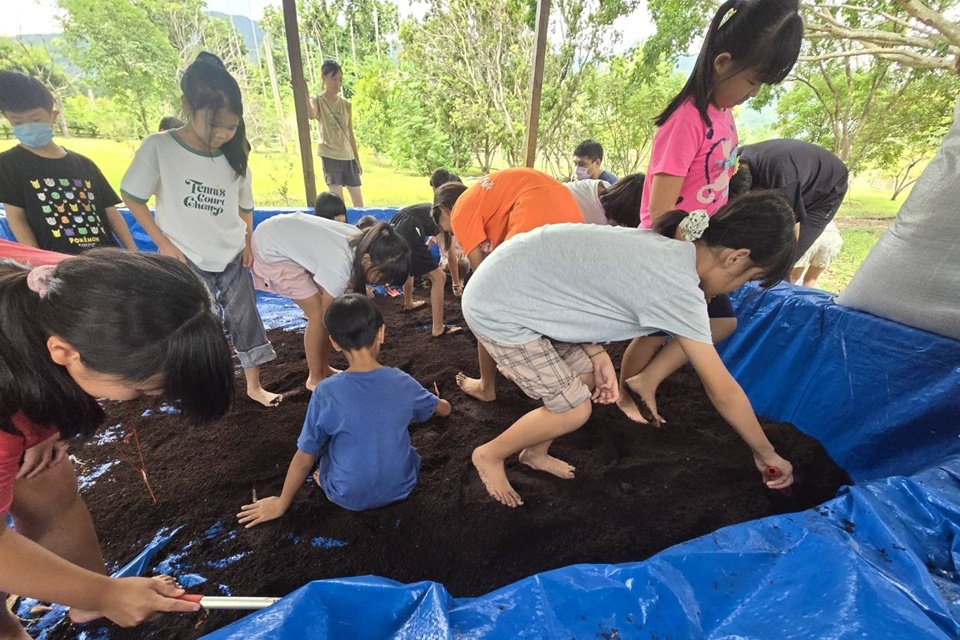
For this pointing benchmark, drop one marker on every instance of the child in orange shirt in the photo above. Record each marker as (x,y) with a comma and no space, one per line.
(483,216)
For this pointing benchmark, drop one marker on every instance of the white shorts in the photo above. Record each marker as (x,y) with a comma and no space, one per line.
(824,251)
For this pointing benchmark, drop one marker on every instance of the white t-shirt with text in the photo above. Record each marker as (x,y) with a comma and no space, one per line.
(198,198)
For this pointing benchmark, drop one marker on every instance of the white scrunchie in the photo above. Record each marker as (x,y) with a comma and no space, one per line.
(693,226)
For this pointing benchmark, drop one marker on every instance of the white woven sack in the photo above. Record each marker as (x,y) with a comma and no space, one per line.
(912,275)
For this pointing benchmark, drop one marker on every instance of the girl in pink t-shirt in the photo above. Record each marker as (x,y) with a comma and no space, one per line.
(106,324)
(749,43)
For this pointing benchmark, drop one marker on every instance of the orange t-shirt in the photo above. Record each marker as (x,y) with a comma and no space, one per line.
(509,202)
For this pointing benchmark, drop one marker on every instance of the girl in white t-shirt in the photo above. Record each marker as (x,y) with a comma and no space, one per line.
(313,261)
(542,304)
(204,205)
(603,203)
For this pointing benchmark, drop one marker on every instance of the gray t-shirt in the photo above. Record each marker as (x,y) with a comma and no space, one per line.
(584,283)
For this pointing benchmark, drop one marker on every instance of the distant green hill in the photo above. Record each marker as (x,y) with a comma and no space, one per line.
(244,26)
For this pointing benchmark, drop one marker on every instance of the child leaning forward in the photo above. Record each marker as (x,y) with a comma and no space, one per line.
(357,423)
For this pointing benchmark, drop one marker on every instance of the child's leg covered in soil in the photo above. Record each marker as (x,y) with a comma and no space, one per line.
(561,375)
(646,380)
(48,510)
(235,293)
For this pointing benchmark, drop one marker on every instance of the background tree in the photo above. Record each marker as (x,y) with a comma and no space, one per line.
(123,54)
(38,61)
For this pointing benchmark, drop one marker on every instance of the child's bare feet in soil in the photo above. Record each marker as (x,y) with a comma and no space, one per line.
(647,392)
(628,405)
(312,383)
(264,397)
(445,330)
(547,463)
(473,388)
(416,304)
(494,478)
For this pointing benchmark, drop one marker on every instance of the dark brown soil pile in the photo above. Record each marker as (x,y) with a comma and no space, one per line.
(638,489)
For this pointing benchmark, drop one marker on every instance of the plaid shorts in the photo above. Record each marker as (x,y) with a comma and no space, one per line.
(544,370)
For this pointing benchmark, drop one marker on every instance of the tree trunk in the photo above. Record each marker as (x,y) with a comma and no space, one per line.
(61,117)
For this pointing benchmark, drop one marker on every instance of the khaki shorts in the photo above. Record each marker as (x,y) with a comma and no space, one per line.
(544,370)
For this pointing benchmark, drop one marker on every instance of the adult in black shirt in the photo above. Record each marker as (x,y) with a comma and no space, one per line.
(415,224)
(813,180)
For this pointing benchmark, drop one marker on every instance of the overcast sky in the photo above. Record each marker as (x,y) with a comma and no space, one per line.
(40,16)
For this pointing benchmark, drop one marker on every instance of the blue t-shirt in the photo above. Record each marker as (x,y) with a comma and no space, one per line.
(609,177)
(357,425)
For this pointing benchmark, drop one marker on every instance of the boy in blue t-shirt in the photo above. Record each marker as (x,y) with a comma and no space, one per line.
(357,423)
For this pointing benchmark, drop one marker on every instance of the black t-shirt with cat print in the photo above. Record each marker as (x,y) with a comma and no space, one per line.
(63,198)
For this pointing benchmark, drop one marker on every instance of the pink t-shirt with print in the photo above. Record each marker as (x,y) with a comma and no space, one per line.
(705,156)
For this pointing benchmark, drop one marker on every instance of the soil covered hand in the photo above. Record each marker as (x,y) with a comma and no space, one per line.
(43,456)
(130,601)
(261,511)
(784,480)
(606,390)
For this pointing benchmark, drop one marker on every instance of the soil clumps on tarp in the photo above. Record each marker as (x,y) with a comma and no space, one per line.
(638,489)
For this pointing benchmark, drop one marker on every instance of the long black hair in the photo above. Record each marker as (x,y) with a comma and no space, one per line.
(129,315)
(762,35)
(206,84)
(389,253)
(761,221)
(621,200)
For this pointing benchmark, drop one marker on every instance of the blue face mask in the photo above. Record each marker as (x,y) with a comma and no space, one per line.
(34,134)
(581,173)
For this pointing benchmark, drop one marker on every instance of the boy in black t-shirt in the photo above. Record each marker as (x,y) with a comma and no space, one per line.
(54,199)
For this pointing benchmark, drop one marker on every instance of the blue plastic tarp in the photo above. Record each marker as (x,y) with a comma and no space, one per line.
(883,398)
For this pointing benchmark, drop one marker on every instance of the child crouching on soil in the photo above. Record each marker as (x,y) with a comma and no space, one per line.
(357,423)
(542,303)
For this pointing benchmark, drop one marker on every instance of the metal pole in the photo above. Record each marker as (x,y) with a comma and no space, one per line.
(300,97)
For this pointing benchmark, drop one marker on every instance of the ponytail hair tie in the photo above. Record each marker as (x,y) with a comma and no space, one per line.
(693,226)
(40,278)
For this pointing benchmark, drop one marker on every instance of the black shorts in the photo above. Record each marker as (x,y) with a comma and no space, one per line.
(422,261)
(719,307)
(340,172)
(817,220)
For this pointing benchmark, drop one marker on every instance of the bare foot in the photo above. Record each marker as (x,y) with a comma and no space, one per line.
(647,391)
(473,388)
(547,463)
(264,397)
(628,405)
(445,330)
(416,304)
(312,382)
(494,478)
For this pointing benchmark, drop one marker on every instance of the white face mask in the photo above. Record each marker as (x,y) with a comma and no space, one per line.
(581,173)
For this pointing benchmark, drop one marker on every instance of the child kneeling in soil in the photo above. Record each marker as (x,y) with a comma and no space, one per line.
(543,301)
(357,423)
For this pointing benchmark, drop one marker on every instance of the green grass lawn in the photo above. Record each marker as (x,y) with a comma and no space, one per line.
(277,181)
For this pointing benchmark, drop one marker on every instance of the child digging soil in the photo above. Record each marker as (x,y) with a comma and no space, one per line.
(544,300)
(357,423)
